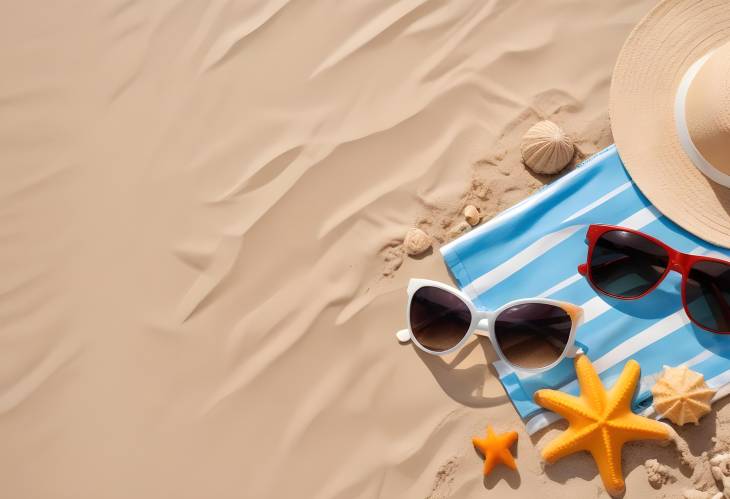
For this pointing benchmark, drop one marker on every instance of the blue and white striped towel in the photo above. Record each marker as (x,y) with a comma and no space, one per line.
(534,248)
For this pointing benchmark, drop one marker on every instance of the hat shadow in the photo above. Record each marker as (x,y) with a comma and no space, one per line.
(721,193)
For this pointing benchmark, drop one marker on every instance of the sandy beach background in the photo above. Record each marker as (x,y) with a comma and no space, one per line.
(202,205)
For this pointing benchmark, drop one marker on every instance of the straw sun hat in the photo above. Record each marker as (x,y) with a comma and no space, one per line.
(670,113)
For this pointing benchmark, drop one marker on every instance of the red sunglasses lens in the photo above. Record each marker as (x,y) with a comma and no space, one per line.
(625,264)
(707,292)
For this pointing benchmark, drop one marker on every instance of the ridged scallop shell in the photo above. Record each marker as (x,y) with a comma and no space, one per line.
(546,148)
(681,395)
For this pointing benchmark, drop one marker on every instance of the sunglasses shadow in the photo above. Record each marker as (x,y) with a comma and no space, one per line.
(466,384)
(652,306)
(718,344)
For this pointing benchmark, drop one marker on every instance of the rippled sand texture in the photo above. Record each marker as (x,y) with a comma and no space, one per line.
(195,200)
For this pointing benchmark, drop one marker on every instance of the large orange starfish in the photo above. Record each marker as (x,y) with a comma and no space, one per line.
(600,421)
(496,449)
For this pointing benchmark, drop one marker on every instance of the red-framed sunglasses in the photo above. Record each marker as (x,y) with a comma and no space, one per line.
(628,264)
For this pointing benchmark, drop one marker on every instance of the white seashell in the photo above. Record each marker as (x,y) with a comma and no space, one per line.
(459,229)
(658,474)
(471,214)
(722,460)
(546,148)
(681,395)
(720,467)
(416,242)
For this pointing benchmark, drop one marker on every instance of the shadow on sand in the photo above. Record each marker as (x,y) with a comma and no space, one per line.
(464,384)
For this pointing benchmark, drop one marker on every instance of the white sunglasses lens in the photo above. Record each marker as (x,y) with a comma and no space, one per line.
(532,335)
(439,319)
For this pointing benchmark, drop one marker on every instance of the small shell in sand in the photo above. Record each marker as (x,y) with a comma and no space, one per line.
(471,214)
(416,242)
(546,148)
(698,494)
(720,467)
(459,229)
(658,474)
(681,395)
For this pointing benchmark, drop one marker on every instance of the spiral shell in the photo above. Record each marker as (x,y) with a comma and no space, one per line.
(471,215)
(546,148)
(416,242)
(681,395)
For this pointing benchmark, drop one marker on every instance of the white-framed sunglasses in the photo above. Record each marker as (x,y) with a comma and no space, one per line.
(531,335)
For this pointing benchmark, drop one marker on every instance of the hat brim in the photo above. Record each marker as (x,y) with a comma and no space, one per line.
(652,62)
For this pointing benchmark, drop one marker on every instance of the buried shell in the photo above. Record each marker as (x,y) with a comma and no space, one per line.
(416,242)
(459,229)
(681,395)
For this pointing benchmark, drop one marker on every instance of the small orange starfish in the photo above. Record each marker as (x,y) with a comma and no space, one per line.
(601,421)
(496,449)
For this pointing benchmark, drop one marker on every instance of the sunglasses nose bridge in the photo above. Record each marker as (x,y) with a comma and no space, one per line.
(679,262)
(483,326)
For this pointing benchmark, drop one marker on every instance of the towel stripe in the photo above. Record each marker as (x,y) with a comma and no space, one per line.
(561,285)
(484,283)
(488,280)
(618,190)
(642,218)
(636,221)
(638,342)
